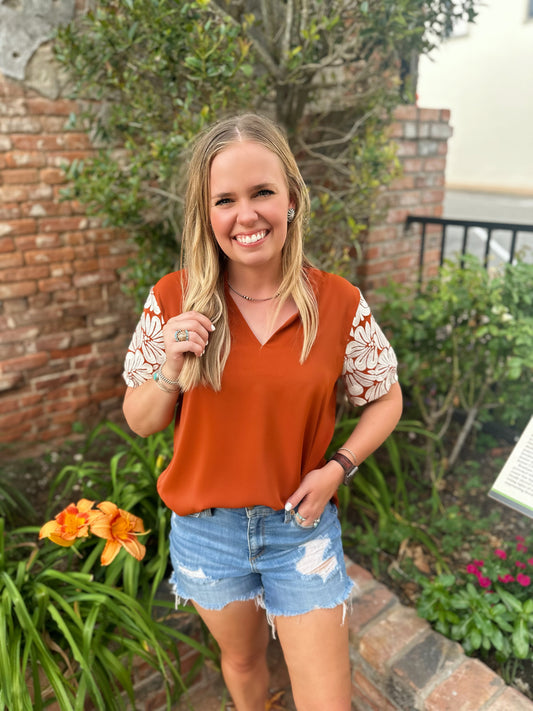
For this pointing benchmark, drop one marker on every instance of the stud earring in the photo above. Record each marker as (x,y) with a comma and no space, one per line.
(291,212)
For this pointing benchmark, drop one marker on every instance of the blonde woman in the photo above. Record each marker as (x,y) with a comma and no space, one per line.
(242,349)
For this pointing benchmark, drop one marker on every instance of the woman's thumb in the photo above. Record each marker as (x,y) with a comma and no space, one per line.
(294,499)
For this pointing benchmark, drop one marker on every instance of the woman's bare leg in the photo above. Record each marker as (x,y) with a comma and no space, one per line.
(242,633)
(316,651)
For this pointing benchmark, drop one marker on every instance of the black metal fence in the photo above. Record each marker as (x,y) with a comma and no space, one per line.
(501,240)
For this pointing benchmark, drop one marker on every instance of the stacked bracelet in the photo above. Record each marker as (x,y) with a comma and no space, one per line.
(164,383)
(345,449)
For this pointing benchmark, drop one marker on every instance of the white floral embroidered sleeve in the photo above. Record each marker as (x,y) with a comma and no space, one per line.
(146,351)
(370,365)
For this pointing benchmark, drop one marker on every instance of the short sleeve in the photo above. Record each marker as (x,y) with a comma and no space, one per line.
(146,351)
(370,365)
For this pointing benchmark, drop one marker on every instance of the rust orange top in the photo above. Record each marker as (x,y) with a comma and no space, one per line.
(273,419)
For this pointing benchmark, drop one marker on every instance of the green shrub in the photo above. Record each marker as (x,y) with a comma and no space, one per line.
(487,608)
(464,349)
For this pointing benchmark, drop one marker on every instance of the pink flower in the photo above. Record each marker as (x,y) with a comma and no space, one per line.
(471,568)
(524,580)
(501,554)
(530,561)
(485,582)
(520,538)
(506,578)
(519,564)
(521,548)
(478,563)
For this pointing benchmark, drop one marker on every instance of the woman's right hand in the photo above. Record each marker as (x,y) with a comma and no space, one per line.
(197,327)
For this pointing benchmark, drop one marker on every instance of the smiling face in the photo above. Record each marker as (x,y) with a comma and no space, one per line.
(248,204)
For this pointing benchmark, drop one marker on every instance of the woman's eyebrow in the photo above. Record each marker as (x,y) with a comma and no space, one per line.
(253,189)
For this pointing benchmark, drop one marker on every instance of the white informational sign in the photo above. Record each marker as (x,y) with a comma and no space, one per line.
(514,484)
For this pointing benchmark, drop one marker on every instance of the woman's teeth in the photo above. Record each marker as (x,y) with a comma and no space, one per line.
(250,239)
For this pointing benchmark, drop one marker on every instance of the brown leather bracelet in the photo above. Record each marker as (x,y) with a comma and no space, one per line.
(348,466)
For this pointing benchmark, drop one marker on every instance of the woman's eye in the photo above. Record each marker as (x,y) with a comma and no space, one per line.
(222,201)
(265,191)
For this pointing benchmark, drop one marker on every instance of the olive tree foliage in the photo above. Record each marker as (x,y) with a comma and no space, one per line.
(154,72)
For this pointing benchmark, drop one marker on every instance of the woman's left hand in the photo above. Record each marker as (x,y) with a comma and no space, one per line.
(317,488)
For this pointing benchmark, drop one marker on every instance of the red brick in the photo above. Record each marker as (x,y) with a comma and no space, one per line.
(116,262)
(53,176)
(54,124)
(387,637)
(361,577)
(77,238)
(28,159)
(406,182)
(63,224)
(86,265)
(15,290)
(6,244)
(46,256)
(37,242)
(406,148)
(56,107)
(429,115)
(382,267)
(25,274)
(40,142)
(369,605)
(9,260)
(91,278)
(13,193)
(364,690)
(10,211)
(10,403)
(469,688)
(20,176)
(40,191)
(76,141)
(435,164)
(406,112)
(62,158)
(46,208)
(17,434)
(56,284)
(412,165)
(27,362)
(20,124)
(511,699)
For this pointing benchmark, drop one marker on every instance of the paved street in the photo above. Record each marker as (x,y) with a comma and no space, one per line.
(489,208)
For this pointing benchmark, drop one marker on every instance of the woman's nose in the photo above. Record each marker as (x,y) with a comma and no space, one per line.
(247,214)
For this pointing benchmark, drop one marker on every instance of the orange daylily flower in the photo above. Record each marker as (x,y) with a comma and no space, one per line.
(71,523)
(120,528)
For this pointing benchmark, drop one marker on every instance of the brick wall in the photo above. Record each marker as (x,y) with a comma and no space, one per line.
(65,322)
(391,252)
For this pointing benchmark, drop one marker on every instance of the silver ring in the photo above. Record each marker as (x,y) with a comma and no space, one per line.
(181,335)
(316,522)
(300,517)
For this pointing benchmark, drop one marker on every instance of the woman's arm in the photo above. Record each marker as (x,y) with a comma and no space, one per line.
(149,408)
(377,421)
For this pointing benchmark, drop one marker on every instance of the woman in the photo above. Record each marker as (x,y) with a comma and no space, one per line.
(242,349)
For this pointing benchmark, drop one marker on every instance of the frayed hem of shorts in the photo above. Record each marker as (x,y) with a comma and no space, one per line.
(346,601)
(180,599)
(259,597)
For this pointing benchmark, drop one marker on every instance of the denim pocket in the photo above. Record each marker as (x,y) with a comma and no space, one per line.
(206,513)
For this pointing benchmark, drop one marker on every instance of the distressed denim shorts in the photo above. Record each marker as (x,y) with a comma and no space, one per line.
(224,555)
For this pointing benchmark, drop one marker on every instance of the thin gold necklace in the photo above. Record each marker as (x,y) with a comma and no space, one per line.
(250,298)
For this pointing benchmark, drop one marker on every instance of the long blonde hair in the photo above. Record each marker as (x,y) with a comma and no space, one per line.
(204,262)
